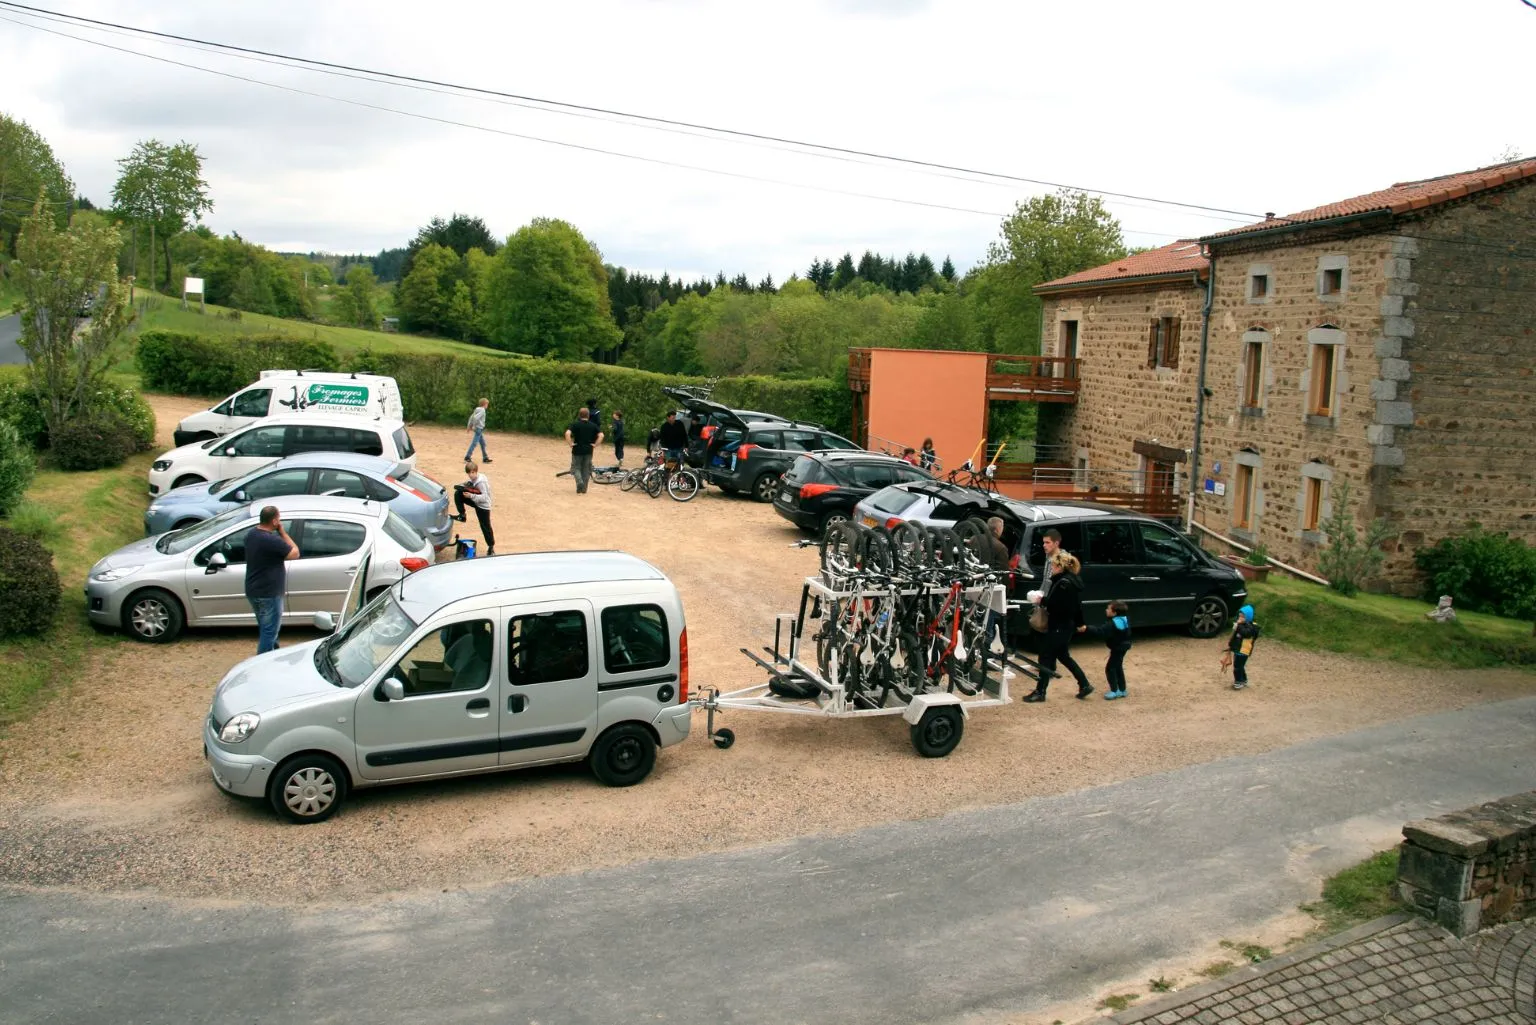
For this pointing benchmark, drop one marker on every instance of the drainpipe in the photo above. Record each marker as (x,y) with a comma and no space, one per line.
(1205,334)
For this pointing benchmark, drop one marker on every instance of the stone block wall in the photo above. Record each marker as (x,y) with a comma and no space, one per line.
(1122,400)
(1462,362)
(1473,869)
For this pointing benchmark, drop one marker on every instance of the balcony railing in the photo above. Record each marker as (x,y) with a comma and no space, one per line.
(1032,378)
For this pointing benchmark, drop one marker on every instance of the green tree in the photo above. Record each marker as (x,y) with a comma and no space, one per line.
(357,303)
(459,318)
(28,169)
(161,187)
(425,292)
(67,360)
(461,233)
(547,294)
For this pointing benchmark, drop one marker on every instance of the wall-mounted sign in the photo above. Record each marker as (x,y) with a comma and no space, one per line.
(1216,466)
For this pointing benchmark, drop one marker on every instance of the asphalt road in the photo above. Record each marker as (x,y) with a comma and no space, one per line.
(997,910)
(10,333)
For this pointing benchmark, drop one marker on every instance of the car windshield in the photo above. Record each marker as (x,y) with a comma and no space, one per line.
(366,643)
(178,541)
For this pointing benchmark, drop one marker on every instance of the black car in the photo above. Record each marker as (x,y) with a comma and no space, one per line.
(704,418)
(821,488)
(1165,578)
(754,457)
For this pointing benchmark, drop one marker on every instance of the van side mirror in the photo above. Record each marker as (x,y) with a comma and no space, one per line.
(216,562)
(392,689)
(323,621)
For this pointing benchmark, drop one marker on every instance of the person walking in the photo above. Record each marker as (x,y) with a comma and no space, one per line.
(583,436)
(477,491)
(1239,646)
(1116,631)
(1063,602)
(927,458)
(477,432)
(618,436)
(268,548)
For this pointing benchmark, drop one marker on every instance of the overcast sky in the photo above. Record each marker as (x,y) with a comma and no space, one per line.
(1248,107)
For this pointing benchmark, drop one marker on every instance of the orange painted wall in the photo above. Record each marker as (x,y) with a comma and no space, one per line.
(923,393)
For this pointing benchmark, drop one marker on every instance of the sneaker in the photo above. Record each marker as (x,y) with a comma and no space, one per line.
(489,552)
(461,519)
(1033,697)
(1239,686)
(1085,690)
(1112,695)
(487,459)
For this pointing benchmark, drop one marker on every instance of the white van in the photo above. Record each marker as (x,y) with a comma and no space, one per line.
(274,438)
(281,392)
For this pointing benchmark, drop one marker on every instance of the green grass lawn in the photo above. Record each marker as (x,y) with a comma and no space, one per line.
(93,514)
(1381,626)
(1356,895)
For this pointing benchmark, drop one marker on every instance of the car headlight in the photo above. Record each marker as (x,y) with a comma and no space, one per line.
(239,727)
(106,576)
(160,464)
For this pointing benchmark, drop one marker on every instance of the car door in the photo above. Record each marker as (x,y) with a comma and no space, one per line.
(291,480)
(342,482)
(548,703)
(1169,574)
(870,477)
(1111,569)
(446,722)
(248,450)
(217,594)
(330,551)
(246,407)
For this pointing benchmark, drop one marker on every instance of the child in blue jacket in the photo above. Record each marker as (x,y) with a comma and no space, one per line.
(1117,634)
(1240,645)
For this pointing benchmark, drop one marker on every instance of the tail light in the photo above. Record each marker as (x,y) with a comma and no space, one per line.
(412,563)
(406,487)
(682,668)
(893,523)
(744,451)
(812,490)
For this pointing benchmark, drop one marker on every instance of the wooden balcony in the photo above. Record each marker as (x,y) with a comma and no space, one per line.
(1031,379)
(858,370)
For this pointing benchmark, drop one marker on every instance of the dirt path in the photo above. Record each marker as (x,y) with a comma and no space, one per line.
(105,787)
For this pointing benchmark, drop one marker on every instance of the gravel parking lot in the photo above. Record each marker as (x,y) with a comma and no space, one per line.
(105,787)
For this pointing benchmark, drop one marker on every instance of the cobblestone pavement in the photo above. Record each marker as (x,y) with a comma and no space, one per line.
(1397,970)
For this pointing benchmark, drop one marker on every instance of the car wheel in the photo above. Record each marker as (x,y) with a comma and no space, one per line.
(831,520)
(764,487)
(1209,617)
(938,732)
(185,479)
(308,788)
(153,616)
(624,755)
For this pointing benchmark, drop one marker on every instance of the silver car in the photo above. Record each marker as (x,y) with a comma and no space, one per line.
(156,587)
(466,667)
(416,498)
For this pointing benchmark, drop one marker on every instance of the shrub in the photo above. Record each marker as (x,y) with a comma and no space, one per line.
(93,441)
(17,464)
(29,586)
(186,364)
(1482,571)
(35,520)
(130,406)
(22,409)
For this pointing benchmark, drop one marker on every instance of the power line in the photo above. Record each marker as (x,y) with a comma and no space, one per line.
(646,120)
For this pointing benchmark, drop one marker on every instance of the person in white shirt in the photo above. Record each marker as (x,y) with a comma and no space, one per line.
(477,490)
(476,427)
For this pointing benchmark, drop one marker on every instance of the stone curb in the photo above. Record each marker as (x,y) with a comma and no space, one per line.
(1186,996)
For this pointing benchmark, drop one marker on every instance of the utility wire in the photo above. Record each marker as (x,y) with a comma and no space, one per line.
(644,119)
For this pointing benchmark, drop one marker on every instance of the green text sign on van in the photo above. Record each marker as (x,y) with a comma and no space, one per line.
(346,396)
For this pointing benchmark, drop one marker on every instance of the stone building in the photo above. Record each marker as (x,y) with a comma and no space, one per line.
(1387,341)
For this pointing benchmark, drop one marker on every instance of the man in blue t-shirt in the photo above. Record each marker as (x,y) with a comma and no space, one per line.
(267,548)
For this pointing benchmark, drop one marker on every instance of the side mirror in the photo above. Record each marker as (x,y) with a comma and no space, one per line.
(392,689)
(324,621)
(230,450)
(216,562)
(238,495)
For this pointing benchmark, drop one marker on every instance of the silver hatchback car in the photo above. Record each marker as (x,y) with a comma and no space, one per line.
(154,588)
(466,667)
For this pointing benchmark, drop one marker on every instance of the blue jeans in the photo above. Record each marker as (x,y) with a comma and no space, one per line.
(477,439)
(269,620)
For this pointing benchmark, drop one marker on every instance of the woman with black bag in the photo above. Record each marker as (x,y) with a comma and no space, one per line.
(1063,607)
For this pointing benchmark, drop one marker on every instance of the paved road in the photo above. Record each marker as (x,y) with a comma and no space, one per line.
(10,332)
(1002,909)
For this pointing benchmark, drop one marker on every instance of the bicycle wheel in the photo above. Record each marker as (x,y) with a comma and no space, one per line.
(654,483)
(683,485)
(840,550)
(608,475)
(946,552)
(967,667)
(906,669)
(909,543)
(629,481)
(879,554)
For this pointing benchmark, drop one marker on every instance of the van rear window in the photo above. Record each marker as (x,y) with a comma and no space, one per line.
(635,638)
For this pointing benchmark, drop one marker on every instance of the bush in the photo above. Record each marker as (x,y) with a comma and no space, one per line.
(186,364)
(1483,572)
(29,586)
(131,408)
(35,520)
(17,464)
(21,407)
(93,441)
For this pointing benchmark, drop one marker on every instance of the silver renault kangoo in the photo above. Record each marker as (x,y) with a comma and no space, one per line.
(465,667)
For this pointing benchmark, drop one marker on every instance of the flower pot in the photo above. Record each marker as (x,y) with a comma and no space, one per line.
(1248,570)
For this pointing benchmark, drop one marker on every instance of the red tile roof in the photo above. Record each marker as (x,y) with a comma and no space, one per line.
(1178,258)
(1402,197)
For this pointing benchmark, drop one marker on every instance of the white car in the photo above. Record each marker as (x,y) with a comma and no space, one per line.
(284,392)
(275,438)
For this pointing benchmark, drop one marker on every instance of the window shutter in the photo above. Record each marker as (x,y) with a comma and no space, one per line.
(1152,345)
(1171,348)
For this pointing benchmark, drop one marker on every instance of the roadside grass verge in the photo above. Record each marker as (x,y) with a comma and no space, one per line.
(1382,626)
(1356,895)
(94,514)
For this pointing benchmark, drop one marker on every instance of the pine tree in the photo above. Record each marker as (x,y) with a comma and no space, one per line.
(843,276)
(947,271)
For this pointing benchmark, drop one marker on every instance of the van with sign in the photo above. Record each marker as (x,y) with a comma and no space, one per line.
(285,392)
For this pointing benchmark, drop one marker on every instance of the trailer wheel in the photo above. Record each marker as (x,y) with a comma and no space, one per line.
(724,737)
(938,732)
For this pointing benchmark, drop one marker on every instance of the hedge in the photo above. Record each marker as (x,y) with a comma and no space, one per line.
(534,396)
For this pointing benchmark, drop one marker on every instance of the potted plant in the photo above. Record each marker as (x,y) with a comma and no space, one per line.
(1254,565)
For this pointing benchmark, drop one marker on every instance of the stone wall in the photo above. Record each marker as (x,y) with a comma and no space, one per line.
(1473,869)
(1458,375)
(1122,400)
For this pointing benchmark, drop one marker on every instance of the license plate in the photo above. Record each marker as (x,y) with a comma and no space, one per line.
(870,521)
(788,494)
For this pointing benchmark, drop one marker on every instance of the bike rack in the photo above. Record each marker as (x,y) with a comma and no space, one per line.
(829,699)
